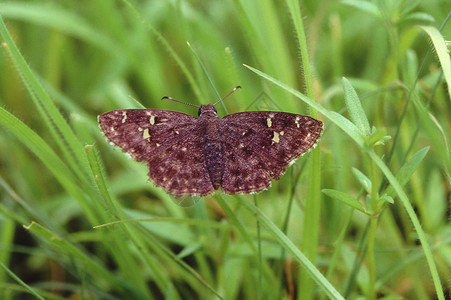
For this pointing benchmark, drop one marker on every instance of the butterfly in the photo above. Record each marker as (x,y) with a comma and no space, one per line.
(240,152)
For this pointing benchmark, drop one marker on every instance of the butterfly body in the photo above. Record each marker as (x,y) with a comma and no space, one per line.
(240,152)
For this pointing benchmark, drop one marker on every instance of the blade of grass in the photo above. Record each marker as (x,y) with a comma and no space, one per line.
(169,48)
(310,233)
(43,151)
(285,242)
(63,246)
(20,281)
(60,129)
(385,170)
(442,53)
(54,16)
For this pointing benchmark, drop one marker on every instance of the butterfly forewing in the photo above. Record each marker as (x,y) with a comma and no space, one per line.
(141,132)
(264,143)
(170,142)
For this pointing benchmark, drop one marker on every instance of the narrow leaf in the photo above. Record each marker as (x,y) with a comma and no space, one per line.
(364,6)
(363,179)
(345,198)
(355,108)
(442,53)
(20,281)
(407,170)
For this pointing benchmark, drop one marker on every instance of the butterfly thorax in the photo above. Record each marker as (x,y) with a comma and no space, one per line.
(213,139)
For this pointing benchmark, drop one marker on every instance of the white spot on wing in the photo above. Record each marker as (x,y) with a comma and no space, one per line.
(152,120)
(268,122)
(275,138)
(146,133)
(297,121)
(125,117)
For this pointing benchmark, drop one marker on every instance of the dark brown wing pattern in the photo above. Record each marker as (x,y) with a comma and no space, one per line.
(170,142)
(260,145)
(242,152)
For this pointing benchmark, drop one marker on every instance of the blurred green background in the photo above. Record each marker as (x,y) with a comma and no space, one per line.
(59,177)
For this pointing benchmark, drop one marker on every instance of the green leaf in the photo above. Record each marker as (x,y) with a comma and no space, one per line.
(62,133)
(418,17)
(355,109)
(364,6)
(382,166)
(345,198)
(407,170)
(54,16)
(442,53)
(63,246)
(16,278)
(287,244)
(377,137)
(347,125)
(363,179)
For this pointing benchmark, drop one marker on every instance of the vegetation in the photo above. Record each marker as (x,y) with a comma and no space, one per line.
(363,216)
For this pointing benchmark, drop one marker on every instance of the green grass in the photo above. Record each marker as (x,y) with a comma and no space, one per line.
(363,216)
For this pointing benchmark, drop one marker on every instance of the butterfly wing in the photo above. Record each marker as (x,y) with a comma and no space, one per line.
(169,141)
(260,145)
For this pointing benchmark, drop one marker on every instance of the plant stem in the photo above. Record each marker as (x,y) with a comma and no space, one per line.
(372,232)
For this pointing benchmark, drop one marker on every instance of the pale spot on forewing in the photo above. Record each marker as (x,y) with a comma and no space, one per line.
(152,120)
(268,122)
(158,145)
(183,149)
(176,132)
(125,117)
(275,138)
(140,129)
(283,132)
(297,121)
(146,134)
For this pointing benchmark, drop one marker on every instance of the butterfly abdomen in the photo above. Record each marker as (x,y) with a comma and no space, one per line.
(213,147)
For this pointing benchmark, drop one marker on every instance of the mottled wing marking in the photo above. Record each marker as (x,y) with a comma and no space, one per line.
(140,132)
(265,142)
(170,142)
(180,168)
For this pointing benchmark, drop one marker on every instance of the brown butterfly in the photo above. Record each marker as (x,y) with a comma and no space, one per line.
(240,152)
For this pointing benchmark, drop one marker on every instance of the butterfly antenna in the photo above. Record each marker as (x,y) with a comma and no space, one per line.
(234,89)
(175,100)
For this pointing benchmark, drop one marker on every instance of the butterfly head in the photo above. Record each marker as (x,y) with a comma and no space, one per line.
(207,111)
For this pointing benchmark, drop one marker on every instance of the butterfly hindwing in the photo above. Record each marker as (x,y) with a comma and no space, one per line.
(180,168)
